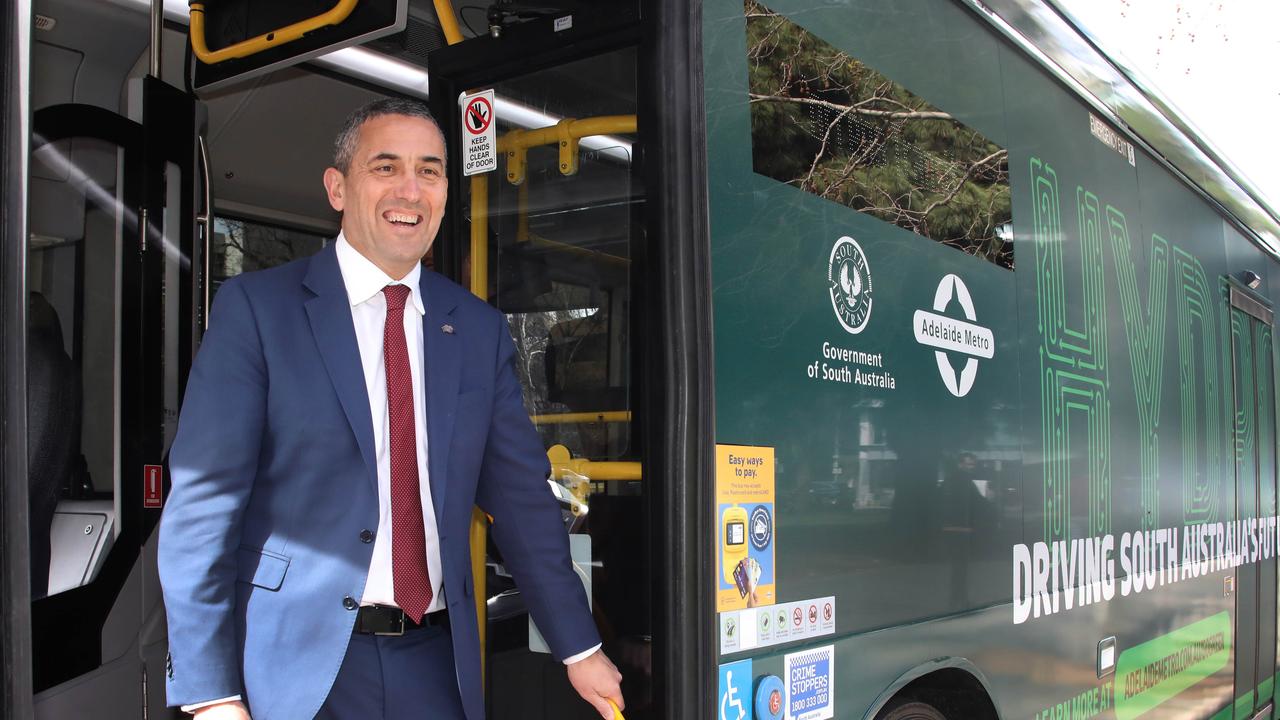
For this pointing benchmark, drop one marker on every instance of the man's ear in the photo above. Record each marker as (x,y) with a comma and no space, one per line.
(335,186)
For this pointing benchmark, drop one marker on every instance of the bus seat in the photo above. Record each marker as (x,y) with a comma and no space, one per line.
(53,424)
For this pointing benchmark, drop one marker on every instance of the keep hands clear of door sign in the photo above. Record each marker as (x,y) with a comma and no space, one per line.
(479,133)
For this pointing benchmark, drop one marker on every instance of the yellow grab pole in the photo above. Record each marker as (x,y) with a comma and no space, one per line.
(448,21)
(608,416)
(479,288)
(265,41)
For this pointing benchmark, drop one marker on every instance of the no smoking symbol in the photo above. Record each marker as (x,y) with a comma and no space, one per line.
(797,617)
(479,114)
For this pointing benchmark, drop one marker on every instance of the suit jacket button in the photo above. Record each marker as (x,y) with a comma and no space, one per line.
(366,536)
(349,603)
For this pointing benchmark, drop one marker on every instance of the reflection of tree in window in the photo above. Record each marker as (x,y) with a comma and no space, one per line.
(562,356)
(241,246)
(834,127)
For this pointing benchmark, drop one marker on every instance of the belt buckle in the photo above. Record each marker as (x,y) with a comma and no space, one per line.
(395,631)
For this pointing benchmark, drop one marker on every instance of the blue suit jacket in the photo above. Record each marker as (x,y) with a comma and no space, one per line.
(274,478)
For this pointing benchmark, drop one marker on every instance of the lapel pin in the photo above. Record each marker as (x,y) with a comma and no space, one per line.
(447,328)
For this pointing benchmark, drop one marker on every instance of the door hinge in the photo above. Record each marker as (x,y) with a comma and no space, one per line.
(142,230)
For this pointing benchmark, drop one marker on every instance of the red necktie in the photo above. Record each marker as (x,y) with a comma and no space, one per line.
(409,572)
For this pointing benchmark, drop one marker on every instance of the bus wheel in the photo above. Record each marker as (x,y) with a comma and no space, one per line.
(914,710)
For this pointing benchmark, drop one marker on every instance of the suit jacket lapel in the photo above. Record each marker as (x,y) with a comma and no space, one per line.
(443,365)
(330,315)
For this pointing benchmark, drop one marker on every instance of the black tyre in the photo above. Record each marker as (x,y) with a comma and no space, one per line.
(914,710)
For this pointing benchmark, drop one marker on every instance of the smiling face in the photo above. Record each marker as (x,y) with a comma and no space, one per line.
(393,193)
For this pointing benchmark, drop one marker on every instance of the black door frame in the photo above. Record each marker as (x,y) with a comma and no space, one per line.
(679,431)
(15,587)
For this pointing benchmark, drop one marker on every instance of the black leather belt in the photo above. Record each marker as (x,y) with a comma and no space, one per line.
(388,620)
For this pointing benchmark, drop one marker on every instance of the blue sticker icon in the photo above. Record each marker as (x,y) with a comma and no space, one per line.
(769,700)
(735,691)
(761,527)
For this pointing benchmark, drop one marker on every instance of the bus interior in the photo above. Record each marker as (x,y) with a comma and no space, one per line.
(144,198)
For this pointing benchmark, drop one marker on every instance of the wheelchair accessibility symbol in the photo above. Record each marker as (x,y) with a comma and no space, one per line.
(735,691)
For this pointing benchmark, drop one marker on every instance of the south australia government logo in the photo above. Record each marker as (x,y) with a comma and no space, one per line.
(964,340)
(849,281)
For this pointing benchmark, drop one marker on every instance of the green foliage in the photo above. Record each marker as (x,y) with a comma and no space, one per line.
(832,126)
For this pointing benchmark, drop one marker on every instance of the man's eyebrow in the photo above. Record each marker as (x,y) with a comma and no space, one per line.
(392,156)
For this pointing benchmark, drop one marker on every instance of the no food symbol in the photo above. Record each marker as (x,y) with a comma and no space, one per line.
(813,613)
(478,115)
(950,335)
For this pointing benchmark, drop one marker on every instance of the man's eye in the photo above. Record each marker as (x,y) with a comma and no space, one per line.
(430,171)
(383,169)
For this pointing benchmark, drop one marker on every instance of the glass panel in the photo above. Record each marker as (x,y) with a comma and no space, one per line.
(1266,442)
(1245,438)
(833,126)
(560,268)
(73,359)
(243,245)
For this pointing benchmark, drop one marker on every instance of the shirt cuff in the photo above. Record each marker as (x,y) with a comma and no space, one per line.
(582,655)
(196,706)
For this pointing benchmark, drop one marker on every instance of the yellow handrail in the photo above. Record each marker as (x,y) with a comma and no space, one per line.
(566,134)
(265,41)
(566,467)
(609,416)
(448,21)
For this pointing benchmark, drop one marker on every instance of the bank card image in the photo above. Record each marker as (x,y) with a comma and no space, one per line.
(746,575)
(742,577)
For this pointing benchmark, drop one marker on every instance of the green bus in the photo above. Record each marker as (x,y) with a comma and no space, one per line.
(894,360)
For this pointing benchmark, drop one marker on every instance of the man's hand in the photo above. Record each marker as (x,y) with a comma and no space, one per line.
(234,710)
(598,681)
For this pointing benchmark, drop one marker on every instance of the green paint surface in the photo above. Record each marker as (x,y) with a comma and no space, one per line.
(1151,673)
(1244,706)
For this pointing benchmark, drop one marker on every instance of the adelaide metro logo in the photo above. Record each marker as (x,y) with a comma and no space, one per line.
(950,335)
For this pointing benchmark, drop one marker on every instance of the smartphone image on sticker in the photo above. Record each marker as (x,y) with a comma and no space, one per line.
(742,577)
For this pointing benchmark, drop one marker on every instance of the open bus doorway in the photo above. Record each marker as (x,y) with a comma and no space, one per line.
(554,238)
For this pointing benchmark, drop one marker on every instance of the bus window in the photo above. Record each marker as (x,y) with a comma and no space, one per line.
(560,266)
(73,333)
(241,246)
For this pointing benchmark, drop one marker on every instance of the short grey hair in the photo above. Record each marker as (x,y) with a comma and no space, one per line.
(344,145)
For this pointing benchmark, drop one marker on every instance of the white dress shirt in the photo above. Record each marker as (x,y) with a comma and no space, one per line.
(364,282)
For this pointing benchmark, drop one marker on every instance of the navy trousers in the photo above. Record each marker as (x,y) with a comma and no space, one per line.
(409,677)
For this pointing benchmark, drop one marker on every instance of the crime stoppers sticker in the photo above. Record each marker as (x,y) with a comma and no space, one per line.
(808,679)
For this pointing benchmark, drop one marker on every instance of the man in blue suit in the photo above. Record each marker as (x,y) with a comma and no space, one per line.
(344,414)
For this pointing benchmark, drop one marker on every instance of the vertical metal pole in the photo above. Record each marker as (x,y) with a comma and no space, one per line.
(157,30)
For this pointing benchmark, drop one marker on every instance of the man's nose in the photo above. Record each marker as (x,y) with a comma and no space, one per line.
(409,188)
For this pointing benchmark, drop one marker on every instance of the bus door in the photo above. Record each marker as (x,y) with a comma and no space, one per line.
(1254,438)
(553,235)
(113,196)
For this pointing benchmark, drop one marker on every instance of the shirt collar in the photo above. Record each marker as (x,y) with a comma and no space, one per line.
(364,280)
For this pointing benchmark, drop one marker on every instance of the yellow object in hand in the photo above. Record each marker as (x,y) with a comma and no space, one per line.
(617,714)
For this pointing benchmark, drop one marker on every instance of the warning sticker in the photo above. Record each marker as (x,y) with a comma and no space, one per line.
(751,628)
(809,686)
(479,135)
(152,486)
